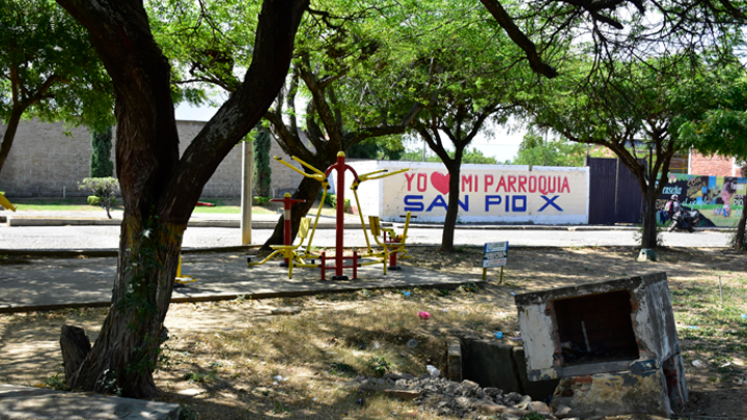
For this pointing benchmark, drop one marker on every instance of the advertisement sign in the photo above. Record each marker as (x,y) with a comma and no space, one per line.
(720,199)
(490,193)
(495,255)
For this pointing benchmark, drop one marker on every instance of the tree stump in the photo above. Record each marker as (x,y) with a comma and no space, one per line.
(75,347)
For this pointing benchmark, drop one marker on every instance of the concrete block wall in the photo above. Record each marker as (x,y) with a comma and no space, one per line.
(49,157)
(713,165)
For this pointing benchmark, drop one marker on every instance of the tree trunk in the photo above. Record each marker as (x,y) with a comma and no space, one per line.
(739,237)
(308,190)
(159,190)
(648,239)
(75,347)
(124,356)
(447,238)
(10,134)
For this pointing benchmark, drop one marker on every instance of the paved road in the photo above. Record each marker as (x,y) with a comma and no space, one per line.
(103,237)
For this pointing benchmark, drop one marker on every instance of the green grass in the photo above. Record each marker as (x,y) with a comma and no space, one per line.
(79,204)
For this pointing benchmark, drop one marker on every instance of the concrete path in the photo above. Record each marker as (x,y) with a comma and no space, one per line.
(51,283)
(19,402)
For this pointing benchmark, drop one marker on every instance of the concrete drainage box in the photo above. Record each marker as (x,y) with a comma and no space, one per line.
(613,344)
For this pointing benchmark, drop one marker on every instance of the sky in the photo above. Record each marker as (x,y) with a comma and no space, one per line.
(503,145)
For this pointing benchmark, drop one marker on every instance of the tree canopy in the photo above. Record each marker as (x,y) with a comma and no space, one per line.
(48,70)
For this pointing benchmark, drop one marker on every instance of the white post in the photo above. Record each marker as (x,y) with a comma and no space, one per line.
(247,170)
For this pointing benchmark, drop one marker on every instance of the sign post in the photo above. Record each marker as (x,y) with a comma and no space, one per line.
(494,255)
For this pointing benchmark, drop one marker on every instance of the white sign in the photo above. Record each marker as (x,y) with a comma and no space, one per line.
(495,255)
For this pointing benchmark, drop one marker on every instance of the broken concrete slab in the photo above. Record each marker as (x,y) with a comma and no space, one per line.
(490,364)
(19,402)
(613,342)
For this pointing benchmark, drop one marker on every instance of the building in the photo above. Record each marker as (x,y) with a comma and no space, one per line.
(50,159)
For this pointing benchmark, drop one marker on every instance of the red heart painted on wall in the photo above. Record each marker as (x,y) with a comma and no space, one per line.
(440,182)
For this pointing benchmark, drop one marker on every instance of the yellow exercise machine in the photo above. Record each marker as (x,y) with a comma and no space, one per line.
(291,252)
(296,255)
(182,279)
(392,246)
(5,203)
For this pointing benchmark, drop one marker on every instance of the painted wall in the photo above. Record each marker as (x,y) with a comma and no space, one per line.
(488,193)
(718,198)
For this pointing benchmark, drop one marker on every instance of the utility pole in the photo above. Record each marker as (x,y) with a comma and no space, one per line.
(247,184)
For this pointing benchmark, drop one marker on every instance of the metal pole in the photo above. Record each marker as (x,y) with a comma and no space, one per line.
(340,215)
(247,183)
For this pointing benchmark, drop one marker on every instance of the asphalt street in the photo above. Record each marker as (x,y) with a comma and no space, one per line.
(107,237)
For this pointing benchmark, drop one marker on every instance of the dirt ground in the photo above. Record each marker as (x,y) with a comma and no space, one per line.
(224,357)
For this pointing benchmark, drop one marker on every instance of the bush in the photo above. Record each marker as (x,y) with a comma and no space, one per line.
(260,201)
(332,201)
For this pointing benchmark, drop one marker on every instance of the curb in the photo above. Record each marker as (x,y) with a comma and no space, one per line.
(32,221)
(221,297)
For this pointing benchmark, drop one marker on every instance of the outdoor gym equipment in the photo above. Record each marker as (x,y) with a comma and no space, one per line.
(340,166)
(6,204)
(391,246)
(181,280)
(290,252)
(287,204)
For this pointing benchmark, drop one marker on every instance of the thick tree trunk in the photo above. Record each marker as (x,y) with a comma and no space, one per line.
(124,356)
(159,190)
(308,190)
(739,236)
(10,134)
(452,213)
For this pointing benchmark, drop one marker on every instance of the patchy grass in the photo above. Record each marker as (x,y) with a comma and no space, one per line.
(235,360)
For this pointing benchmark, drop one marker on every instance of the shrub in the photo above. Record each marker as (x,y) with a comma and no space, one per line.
(332,201)
(260,201)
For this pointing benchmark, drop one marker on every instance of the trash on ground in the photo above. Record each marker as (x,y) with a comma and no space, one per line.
(498,334)
(698,363)
(433,371)
(423,315)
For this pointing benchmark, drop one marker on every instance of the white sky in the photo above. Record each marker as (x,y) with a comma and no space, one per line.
(502,146)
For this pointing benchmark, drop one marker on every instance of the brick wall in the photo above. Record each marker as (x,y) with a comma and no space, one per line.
(713,165)
(44,160)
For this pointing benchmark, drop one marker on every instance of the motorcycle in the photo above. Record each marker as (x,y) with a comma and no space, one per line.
(682,220)
(687,219)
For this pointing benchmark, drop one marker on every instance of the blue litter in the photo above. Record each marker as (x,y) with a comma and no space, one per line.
(744,316)
(690,327)
(407,294)
(499,335)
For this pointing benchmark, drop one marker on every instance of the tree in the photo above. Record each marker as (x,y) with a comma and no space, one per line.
(262,170)
(632,110)
(101,145)
(722,127)
(48,70)
(470,78)
(469,156)
(346,65)
(104,190)
(159,189)
(536,151)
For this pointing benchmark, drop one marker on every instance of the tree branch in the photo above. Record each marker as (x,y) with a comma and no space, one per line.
(507,23)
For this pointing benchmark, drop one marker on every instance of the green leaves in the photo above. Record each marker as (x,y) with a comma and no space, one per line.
(48,66)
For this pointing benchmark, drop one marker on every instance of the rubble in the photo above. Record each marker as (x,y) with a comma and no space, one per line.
(464,399)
